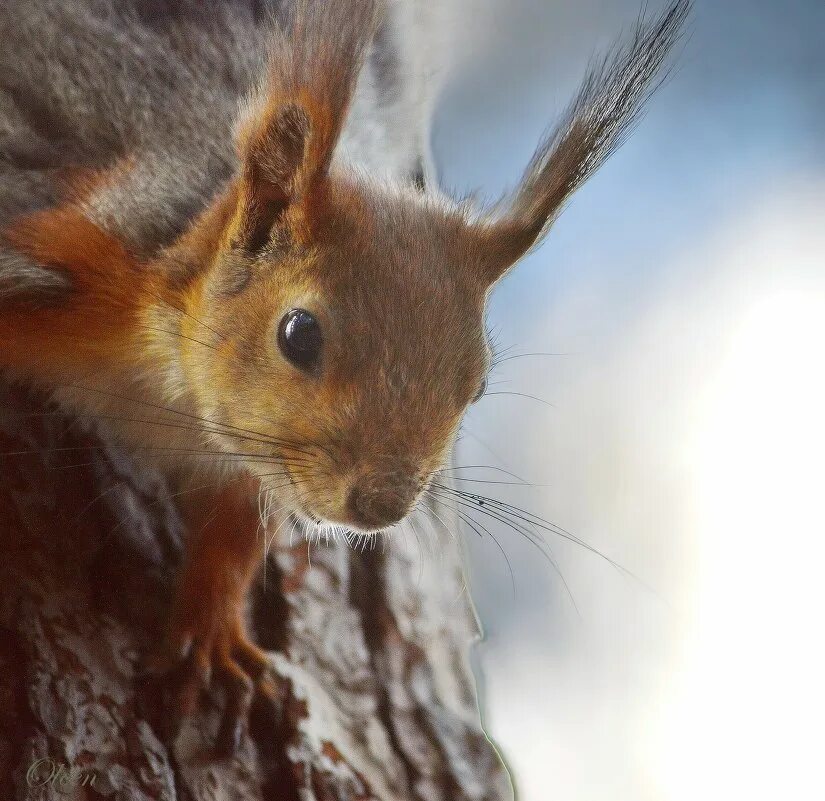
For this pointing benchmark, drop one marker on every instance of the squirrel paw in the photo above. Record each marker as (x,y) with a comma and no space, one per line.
(196,656)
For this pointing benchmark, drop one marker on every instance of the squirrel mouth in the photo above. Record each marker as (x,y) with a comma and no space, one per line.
(315,529)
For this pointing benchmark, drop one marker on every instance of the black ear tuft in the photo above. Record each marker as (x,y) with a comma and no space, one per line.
(610,102)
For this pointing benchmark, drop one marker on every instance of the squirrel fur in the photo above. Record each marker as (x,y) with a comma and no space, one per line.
(177,177)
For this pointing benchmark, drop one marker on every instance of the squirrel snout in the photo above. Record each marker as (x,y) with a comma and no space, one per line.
(373,505)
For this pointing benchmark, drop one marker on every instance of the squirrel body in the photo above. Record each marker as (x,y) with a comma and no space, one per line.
(214,240)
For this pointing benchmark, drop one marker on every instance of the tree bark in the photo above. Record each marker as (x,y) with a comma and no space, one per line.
(371,647)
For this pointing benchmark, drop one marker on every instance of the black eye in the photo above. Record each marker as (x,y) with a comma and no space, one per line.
(481,390)
(299,338)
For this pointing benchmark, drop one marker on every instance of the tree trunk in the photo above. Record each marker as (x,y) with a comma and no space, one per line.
(378,699)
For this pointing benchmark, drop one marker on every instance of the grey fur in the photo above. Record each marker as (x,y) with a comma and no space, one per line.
(22,281)
(86,83)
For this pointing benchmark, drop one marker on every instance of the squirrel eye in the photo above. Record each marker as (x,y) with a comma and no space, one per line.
(299,338)
(481,390)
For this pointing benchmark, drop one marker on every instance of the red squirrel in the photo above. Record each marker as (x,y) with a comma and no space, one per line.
(195,254)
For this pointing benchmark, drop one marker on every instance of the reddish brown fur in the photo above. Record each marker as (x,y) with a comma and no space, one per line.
(397,280)
(222,560)
(364,293)
(97,320)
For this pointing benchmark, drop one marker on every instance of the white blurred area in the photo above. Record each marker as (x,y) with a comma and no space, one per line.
(685,288)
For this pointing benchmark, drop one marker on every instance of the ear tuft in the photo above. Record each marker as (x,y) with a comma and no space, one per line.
(289,136)
(610,102)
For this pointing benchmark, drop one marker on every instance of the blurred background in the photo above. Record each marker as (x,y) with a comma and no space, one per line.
(684,291)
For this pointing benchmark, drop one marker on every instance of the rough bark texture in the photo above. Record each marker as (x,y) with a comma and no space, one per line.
(378,699)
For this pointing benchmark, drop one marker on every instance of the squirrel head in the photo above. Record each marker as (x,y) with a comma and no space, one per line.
(348,312)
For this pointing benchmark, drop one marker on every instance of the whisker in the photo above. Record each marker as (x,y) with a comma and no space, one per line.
(180,426)
(491,451)
(494,514)
(466,518)
(540,545)
(116,485)
(481,467)
(408,524)
(244,457)
(166,302)
(430,511)
(505,483)
(312,444)
(497,361)
(519,395)
(171,410)
(180,335)
(505,508)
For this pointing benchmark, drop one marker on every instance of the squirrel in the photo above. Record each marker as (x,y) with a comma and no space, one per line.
(198,250)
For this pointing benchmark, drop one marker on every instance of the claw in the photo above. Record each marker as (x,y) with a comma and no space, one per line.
(240,691)
(228,741)
(191,663)
(252,659)
(166,658)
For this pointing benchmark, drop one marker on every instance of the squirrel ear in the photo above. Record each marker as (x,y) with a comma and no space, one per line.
(289,134)
(275,171)
(609,103)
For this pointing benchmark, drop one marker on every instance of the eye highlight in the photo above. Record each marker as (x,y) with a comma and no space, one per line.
(300,339)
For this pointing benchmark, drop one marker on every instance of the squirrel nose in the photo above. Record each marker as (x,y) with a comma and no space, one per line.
(376,506)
